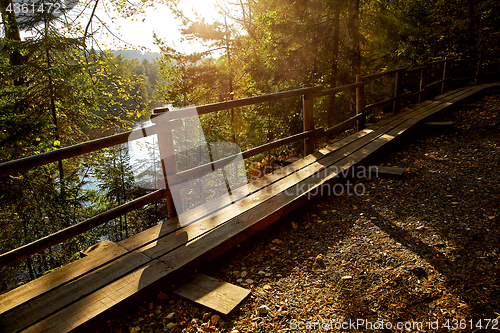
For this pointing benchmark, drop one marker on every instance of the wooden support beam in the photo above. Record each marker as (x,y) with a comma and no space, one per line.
(77,229)
(308,118)
(360,103)
(423,82)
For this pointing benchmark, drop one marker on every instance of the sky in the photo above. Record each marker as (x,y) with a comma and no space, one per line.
(163,23)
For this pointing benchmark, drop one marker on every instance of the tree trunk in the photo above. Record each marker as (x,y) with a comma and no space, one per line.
(354,37)
(333,117)
(471,35)
(11,30)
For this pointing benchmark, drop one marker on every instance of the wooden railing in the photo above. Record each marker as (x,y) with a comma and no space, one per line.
(309,135)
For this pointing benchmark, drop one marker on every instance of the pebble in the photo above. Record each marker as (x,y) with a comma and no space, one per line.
(243,274)
(261,273)
(170,315)
(263,309)
(214,319)
(249,281)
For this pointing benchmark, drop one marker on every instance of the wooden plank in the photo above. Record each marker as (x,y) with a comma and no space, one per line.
(428,104)
(212,293)
(58,278)
(38,308)
(98,303)
(426,113)
(326,152)
(203,109)
(388,171)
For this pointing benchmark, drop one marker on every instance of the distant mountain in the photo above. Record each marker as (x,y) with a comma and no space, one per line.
(136,54)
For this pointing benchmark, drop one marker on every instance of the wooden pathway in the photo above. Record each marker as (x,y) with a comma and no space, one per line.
(110,281)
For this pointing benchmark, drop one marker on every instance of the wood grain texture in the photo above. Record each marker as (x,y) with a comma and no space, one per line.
(57,278)
(54,301)
(215,294)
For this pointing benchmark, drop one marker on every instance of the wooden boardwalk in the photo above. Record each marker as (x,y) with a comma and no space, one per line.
(108,282)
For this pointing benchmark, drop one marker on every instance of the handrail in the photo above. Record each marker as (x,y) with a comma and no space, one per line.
(77,229)
(416,69)
(308,93)
(208,108)
(331,91)
(389,72)
(440,81)
(204,169)
(30,162)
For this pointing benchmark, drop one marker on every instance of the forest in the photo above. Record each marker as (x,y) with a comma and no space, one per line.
(60,87)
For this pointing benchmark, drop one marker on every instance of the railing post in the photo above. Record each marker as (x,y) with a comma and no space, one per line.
(478,68)
(360,102)
(424,74)
(398,90)
(446,70)
(167,157)
(308,117)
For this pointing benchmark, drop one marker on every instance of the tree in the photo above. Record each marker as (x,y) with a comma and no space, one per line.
(55,90)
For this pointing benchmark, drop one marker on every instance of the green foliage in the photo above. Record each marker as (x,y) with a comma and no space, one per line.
(56,90)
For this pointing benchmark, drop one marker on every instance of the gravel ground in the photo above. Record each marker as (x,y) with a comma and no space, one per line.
(421,251)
